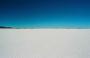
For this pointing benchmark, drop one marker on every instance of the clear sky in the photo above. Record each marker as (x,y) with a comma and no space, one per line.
(45,13)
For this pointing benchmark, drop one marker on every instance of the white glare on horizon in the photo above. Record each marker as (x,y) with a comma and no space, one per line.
(45,43)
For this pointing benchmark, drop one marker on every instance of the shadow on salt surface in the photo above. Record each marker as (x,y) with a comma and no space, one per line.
(45,43)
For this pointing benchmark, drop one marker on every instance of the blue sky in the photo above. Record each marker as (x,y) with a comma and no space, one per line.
(45,13)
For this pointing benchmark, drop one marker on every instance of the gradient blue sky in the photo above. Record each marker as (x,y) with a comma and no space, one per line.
(45,13)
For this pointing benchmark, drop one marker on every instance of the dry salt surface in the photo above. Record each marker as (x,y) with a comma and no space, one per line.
(44,43)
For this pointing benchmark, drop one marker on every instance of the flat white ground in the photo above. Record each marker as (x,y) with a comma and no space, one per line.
(45,43)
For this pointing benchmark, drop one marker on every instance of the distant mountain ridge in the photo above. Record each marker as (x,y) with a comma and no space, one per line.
(5,27)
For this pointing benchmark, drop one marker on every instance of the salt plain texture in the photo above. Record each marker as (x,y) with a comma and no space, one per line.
(45,43)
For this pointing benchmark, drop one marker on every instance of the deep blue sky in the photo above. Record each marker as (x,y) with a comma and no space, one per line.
(45,13)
